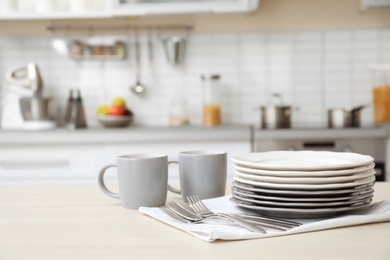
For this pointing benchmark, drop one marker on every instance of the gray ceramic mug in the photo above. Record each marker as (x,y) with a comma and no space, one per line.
(143,180)
(202,173)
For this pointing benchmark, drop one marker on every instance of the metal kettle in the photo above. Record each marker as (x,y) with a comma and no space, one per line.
(27,77)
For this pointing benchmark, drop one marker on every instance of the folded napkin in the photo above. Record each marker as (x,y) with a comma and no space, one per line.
(377,212)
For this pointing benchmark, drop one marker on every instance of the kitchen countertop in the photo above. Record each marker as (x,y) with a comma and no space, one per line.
(142,134)
(133,134)
(322,133)
(79,222)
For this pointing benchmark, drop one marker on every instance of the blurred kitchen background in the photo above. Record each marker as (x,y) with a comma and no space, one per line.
(316,55)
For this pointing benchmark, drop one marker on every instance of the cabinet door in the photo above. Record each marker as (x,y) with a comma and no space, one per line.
(51,163)
(81,163)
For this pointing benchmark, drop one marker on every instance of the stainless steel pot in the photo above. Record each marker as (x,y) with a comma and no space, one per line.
(339,118)
(275,117)
(342,118)
(275,114)
(36,108)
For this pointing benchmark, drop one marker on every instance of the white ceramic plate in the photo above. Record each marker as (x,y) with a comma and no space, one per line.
(353,191)
(350,197)
(303,160)
(304,204)
(342,172)
(295,180)
(282,186)
(296,213)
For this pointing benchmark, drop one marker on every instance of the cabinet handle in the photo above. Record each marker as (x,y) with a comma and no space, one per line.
(15,164)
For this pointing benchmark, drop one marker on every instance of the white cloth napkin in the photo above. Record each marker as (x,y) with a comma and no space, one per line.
(377,212)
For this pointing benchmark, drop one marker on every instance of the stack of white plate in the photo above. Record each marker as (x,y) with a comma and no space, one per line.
(303,184)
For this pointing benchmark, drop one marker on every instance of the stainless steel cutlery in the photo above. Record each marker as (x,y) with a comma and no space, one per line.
(196,212)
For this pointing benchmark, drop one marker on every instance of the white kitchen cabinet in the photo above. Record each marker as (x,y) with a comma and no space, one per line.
(81,163)
(51,163)
(166,7)
(75,157)
(80,9)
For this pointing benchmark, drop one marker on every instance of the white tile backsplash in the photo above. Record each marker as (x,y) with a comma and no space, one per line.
(313,70)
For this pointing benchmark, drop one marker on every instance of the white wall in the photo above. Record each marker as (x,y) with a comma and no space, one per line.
(314,70)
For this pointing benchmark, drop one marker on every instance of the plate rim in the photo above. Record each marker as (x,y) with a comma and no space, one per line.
(297,199)
(301,204)
(310,186)
(363,159)
(306,192)
(294,213)
(302,173)
(304,180)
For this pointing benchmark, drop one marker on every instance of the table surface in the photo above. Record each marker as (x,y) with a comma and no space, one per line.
(79,222)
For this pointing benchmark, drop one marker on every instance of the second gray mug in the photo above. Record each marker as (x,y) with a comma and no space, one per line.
(202,173)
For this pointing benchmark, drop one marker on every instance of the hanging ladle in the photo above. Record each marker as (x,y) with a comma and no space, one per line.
(138,88)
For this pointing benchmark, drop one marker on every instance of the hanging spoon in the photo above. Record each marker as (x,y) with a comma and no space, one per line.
(138,88)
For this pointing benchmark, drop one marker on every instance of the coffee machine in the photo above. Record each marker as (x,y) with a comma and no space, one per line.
(23,106)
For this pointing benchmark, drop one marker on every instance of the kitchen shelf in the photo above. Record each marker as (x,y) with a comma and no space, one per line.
(99,57)
(79,50)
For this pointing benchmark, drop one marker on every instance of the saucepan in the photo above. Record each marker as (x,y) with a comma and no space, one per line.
(275,114)
(342,117)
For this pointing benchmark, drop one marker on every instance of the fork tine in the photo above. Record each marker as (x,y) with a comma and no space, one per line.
(195,205)
(201,204)
(191,201)
(183,213)
(189,198)
(184,206)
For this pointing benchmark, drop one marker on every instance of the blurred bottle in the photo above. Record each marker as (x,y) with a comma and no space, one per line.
(75,116)
(381,94)
(211,102)
(68,111)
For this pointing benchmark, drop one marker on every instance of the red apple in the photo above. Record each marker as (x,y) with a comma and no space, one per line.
(116,110)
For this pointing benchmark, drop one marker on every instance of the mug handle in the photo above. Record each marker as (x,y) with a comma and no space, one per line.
(103,186)
(170,188)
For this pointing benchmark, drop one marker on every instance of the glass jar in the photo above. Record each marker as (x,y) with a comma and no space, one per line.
(178,114)
(381,94)
(211,102)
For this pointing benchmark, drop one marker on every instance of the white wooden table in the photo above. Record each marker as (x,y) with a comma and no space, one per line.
(79,222)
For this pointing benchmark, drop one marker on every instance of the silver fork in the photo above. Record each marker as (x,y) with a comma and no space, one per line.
(251,217)
(189,215)
(178,213)
(264,223)
(203,211)
(173,214)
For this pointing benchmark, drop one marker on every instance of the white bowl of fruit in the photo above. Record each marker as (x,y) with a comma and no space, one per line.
(115,115)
